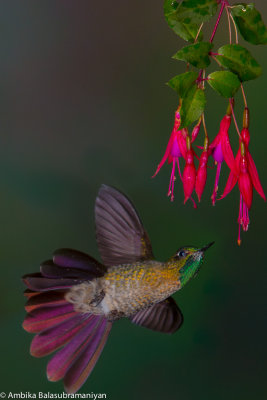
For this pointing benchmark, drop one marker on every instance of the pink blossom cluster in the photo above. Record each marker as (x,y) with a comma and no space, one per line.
(242,167)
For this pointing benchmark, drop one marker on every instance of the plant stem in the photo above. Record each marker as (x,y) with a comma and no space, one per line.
(198,32)
(229,25)
(236,40)
(236,34)
(204,125)
(218,62)
(199,76)
(218,20)
(234,118)
(244,96)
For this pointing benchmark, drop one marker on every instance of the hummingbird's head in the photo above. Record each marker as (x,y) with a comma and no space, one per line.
(189,260)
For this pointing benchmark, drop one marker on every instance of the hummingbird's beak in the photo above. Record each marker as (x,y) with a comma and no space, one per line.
(207,246)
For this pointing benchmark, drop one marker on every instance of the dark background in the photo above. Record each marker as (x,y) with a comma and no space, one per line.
(83,102)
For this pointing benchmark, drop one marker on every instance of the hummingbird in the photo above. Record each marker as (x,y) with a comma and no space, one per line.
(74,300)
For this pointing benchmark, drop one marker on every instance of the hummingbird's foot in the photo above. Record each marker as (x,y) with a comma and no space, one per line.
(98,298)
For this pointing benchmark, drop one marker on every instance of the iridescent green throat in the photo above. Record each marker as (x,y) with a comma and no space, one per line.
(190,269)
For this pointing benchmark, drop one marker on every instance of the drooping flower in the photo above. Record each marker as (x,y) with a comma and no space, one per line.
(201,176)
(252,170)
(221,150)
(176,148)
(247,176)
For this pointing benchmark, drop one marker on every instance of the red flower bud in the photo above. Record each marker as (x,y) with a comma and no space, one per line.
(201,174)
(196,130)
(245,136)
(189,175)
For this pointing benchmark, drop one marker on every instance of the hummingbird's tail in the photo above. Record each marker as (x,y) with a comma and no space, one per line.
(78,337)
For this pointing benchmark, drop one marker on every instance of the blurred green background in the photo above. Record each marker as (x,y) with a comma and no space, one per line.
(84,102)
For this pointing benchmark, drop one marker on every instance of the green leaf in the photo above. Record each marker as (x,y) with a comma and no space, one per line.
(196,54)
(224,82)
(181,83)
(239,60)
(169,7)
(250,23)
(196,11)
(187,31)
(193,105)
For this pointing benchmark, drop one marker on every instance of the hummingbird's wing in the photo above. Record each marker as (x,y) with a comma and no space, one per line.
(164,317)
(120,234)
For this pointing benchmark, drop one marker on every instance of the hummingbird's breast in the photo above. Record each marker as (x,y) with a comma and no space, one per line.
(125,289)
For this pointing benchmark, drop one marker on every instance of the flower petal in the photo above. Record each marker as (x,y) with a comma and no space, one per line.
(232,179)
(246,188)
(181,138)
(217,153)
(215,142)
(166,154)
(254,175)
(228,152)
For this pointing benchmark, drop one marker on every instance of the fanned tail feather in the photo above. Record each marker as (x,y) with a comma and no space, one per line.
(47,299)
(53,338)
(75,361)
(46,317)
(78,337)
(85,362)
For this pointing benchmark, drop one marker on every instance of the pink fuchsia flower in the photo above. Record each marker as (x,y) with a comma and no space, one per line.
(201,176)
(189,174)
(176,148)
(250,165)
(247,177)
(221,150)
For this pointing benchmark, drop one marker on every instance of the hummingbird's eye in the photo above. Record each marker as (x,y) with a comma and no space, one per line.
(181,253)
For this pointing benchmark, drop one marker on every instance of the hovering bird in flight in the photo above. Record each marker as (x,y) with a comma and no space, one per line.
(74,300)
